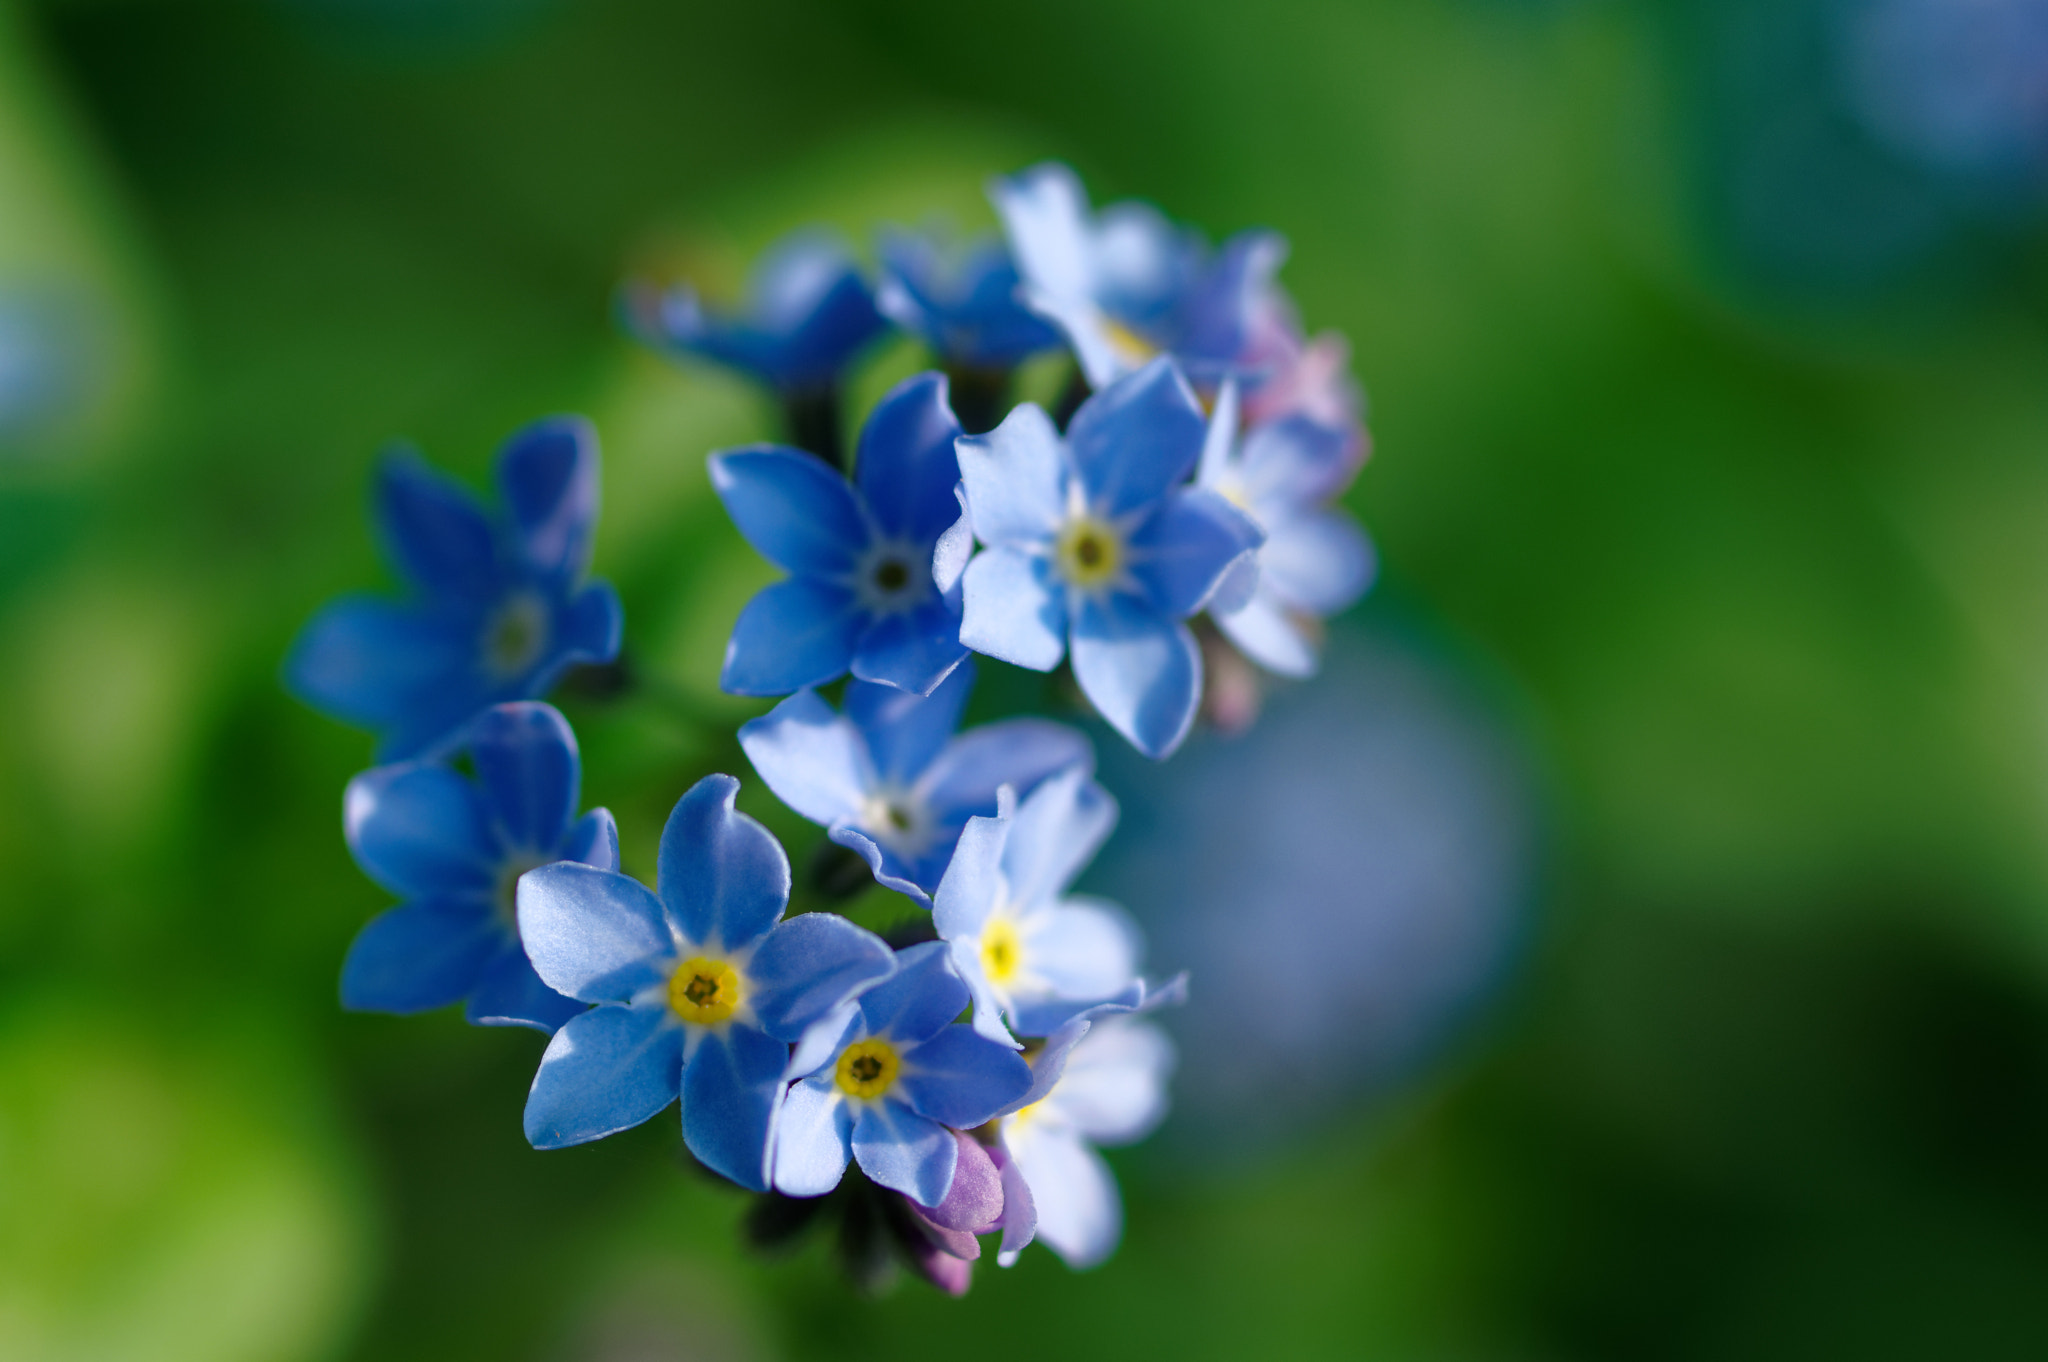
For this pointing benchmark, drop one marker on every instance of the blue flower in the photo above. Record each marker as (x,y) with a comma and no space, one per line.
(808,312)
(1025,950)
(454,848)
(1126,285)
(889,778)
(501,607)
(887,1081)
(1093,543)
(1315,560)
(860,594)
(699,987)
(962,303)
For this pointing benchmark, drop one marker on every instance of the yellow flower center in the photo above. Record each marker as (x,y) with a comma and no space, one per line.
(1088,552)
(704,991)
(867,1068)
(1132,348)
(1002,951)
(516,634)
(1023,1116)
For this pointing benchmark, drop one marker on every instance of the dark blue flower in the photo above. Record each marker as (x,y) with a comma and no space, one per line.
(961,302)
(860,594)
(890,779)
(699,986)
(454,848)
(500,606)
(887,1081)
(1093,543)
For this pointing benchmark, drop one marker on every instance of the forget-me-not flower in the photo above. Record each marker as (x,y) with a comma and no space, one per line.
(890,779)
(888,1080)
(700,989)
(961,301)
(500,606)
(1093,544)
(454,848)
(860,594)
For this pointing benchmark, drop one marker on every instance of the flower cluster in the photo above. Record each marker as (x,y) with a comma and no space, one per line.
(955,1080)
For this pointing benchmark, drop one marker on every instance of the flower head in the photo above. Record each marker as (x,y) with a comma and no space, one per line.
(1092,543)
(699,987)
(962,302)
(500,606)
(860,594)
(889,777)
(454,848)
(888,1080)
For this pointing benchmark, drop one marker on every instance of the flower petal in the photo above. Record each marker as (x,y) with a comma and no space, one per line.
(591,626)
(527,769)
(722,876)
(808,966)
(1114,1088)
(904,732)
(1264,632)
(592,934)
(890,870)
(1045,215)
(973,882)
(813,1139)
(1082,948)
(906,469)
(1135,439)
(369,662)
(732,1088)
(919,1000)
(1183,553)
(1320,562)
(1020,1212)
(1142,671)
(1012,609)
(816,761)
(605,1071)
(593,840)
(1080,1215)
(795,633)
(548,475)
(420,955)
(795,511)
(436,531)
(1016,752)
(902,1150)
(1015,478)
(974,1202)
(913,650)
(420,828)
(1058,829)
(511,994)
(961,1079)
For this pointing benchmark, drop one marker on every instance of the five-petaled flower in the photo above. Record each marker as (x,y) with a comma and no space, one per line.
(699,988)
(501,607)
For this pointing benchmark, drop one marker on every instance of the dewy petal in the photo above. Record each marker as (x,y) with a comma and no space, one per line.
(605,1071)
(1320,562)
(961,1079)
(1057,831)
(815,761)
(732,1088)
(1020,753)
(795,511)
(913,650)
(420,828)
(511,994)
(919,1000)
(1015,478)
(974,1203)
(1183,553)
(1264,632)
(593,840)
(1080,1215)
(904,732)
(809,966)
(1141,670)
(795,633)
(906,469)
(527,768)
(368,662)
(973,882)
(1082,948)
(813,1139)
(592,934)
(419,956)
(1045,215)
(902,1150)
(1011,609)
(1113,1090)
(436,531)
(722,876)
(548,475)
(1136,439)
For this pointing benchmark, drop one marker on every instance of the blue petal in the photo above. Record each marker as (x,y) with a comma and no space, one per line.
(1295,462)
(913,650)
(590,628)
(906,470)
(919,1000)
(1080,1216)
(902,1150)
(961,1079)
(594,840)
(1135,439)
(1082,948)
(420,955)
(953,549)
(1319,563)
(420,828)
(511,994)
(793,634)
(1057,830)
(810,965)
(891,870)
(1182,553)
(592,934)
(436,531)
(722,876)
(815,761)
(1015,478)
(1045,215)
(547,474)
(1218,315)
(795,511)
(973,881)
(813,1139)
(368,662)
(526,763)
(1011,609)
(1140,669)
(825,1038)
(732,1087)
(1020,753)
(1265,632)
(905,732)
(605,1071)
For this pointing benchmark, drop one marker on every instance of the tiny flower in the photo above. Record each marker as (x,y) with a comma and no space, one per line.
(891,780)
(888,1081)
(962,303)
(1026,950)
(699,987)
(1315,560)
(500,609)
(454,848)
(860,594)
(1093,544)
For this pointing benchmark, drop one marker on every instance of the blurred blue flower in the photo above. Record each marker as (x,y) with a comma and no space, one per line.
(808,313)
(454,849)
(1092,542)
(962,302)
(860,593)
(890,779)
(1025,950)
(1960,86)
(887,1080)
(1126,285)
(501,608)
(699,987)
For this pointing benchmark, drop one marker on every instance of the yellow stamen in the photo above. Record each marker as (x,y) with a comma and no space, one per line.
(1002,951)
(704,991)
(1088,552)
(1130,347)
(867,1068)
